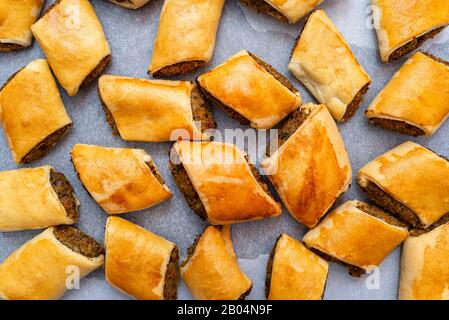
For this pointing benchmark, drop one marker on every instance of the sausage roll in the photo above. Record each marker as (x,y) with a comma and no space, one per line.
(415,101)
(154,110)
(250,91)
(219,183)
(120,180)
(16,18)
(310,169)
(74,43)
(283,10)
(409,181)
(185,37)
(35,198)
(140,263)
(211,270)
(130,4)
(294,272)
(356,235)
(424,269)
(41,268)
(404,25)
(33,115)
(323,61)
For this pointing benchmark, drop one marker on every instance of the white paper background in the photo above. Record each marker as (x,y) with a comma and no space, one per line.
(131,35)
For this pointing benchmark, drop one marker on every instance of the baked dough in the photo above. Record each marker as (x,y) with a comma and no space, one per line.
(151,110)
(403,25)
(415,178)
(244,85)
(417,95)
(224,182)
(120,179)
(311,169)
(40,269)
(33,114)
(424,270)
(16,19)
(140,263)
(296,273)
(130,4)
(185,37)
(356,234)
(323,61)
(74,42)
(211,272)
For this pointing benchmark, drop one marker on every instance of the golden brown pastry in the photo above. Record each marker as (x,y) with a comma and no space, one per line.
(415,101)
(16,18)
(310,168)
(409,181)
(120,179)
(294,272)
(424,266)
(130,4)
(185,37)
(35,198)
(42,267)
(34,118)
(250,91)
(74,43)
(139,262)
(323,61)
(219,184)
(211,271)
(403,25)
(356,235)
(154,110)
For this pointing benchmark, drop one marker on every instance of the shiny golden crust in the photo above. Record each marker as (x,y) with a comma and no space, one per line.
(73,41)
(297,273)
(38,269)
(136,259)
(323,61)
(294,10)
(355,237)
(32,108)
(186,33)
(424,266)
(149,110)
(212,271)
(224,182)
(130,4)
(311,169)
(417,94)
(403,21)
(415,177)
(119,179)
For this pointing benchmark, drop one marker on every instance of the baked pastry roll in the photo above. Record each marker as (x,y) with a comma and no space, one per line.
(130,4)
(219,184)
(323,61)
(41,268)
(35,198)
(283,10)
(404,25)
(140,263)
(16,19)
(154,110)
(74,43)
(185,37)
(424,271)
(119,179)
(294,272)
(415,101)
(211,270)
(409,181)
(356,235)
(34,118)
(310,168)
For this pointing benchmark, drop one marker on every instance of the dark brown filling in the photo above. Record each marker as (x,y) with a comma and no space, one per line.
(172,276)
(155,172)
(354,271)
(201,110)
(179,68)
(97,71)
(50,7)
(78,241)
(270,269)
(398,126)
(109,117)
(263,7)
(65,194)
(6,47)
(380,214)
(355,103)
